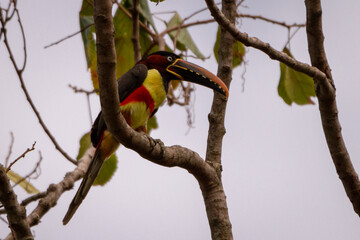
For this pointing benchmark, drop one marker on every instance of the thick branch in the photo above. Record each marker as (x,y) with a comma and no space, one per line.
(16,214)
(262,46)
(216,208)
(325,92)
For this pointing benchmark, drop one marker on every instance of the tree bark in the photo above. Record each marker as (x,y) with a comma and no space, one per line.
(214,198)
(325,91)
(16,214)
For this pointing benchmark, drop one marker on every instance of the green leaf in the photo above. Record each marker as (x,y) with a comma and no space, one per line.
(107,171)
(157,1)
(123,44)
(145,12)
(238,50)
(17,179)
(295,86)
(152,124)
(86,19)
(109,167)
(85,143)
(184,40)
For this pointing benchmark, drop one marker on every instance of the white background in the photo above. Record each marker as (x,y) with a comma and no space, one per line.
(278,176)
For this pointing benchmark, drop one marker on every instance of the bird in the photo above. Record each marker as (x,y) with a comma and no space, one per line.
(142,90)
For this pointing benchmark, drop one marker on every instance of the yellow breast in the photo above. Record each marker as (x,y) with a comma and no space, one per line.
(154,84)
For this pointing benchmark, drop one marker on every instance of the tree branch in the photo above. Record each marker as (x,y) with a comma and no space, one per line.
(148,148)
(70,36)
(28,98)
(216,208)
(262,46)
(325,91)
(284,24)
(16,214)
(10,149)
(151,149)
(135,34)
(21,156)
(55,191)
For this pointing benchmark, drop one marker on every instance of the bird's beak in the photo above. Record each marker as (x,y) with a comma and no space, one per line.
(193,73)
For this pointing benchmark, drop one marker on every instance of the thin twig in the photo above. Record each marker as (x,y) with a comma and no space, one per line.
(290,36)
(80,90)
(24,40)
(36,168)
(21,156)
(255,17)
(170,29)
(70,36)
(19,73)
(88,93)
(10,149)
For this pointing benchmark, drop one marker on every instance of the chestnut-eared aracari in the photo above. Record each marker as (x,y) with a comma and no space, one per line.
(142,90)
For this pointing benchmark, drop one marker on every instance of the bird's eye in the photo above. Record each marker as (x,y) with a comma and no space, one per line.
(170,58)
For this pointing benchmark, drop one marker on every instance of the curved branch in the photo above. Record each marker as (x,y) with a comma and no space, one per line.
(262,46)
(325,92)
(28,98)
(151,149)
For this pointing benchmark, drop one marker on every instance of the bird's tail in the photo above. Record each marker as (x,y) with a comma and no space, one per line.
(85,186)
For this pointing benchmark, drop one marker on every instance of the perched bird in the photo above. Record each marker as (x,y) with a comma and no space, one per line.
(142,90)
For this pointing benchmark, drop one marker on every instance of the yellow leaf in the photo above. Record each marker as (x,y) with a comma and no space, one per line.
(16,178)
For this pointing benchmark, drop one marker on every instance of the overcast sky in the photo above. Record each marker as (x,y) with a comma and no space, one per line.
(278,176)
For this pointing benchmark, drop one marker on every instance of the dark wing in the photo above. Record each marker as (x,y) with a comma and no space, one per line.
(127,83)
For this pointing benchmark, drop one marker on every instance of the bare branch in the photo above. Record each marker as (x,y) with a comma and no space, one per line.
(16,214)
(255,17)
(28,200)
(21,156)
(33,198)
(185,26)
(70,36)
(325,91)
(19,73)
(24,40)
(10,149)
(35,170)
(55,191)
(262,46)
(80,90)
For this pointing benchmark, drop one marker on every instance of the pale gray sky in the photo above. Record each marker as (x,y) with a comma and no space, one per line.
(278,176)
